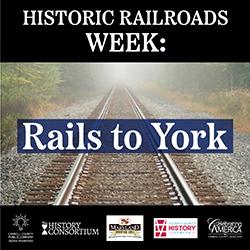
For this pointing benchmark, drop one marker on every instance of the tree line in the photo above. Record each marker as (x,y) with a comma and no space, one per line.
(27,88)
(207,77)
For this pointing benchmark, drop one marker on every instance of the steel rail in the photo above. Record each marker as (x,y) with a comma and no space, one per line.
(70,182)
(187,195)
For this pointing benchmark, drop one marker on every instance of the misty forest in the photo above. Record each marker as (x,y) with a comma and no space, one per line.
(32,89)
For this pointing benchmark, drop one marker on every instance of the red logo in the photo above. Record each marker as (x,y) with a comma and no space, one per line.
(160,228)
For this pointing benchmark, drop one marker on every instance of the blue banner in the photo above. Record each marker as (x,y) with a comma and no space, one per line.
(125,136)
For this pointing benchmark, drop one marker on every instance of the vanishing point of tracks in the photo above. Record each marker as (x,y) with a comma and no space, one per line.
(116,179)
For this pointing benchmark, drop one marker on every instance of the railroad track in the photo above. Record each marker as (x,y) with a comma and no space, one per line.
(148,179)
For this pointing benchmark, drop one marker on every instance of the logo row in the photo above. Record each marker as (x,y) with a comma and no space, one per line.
(128,228)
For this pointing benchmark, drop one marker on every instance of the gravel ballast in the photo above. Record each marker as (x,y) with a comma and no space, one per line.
(19,171)
(229,172)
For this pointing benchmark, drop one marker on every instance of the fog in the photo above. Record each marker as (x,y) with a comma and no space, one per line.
(188,76)
(127,73)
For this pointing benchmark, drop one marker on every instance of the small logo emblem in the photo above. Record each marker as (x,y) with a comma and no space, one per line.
(124,228)
(218,228)
(175,228)
(160,228)
(44,226)
(20,221)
